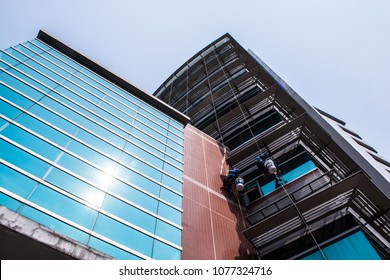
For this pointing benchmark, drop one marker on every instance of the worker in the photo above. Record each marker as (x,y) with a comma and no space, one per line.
(267,165)
(233,173)
(233,180)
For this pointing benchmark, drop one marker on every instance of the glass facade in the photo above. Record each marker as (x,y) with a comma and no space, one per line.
(87,158)
(353,247)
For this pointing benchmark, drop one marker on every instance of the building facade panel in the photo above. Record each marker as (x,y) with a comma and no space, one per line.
(86,158)
(210,216)
(197,237)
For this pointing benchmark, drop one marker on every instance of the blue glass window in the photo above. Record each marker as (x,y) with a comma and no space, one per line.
(9,110)
(98,144)
(104,133)
(84,170)
(354,247)
(49,56)
(174,154)
(43,129)
(153,125)
(40,73)
(25,50)
(53,119)
(34,48)
(129,193)
(148,147)
(290,176)
(31,77)
(137,151)
(9,202)
(22,159)
(16,182)
(175,145)
(168,232)
(61,109)
(64,206)
(91,155)
(14,97)
(58,98)
(80,86)
(171,197)
(156,119)
(125,115)
(61,59)
(75,186)
(49,64)
(176,136)
(5,56)
(31,142)
(169,213)
(111,250)
(162,251)
(138,180)
(85,79)
(152,142)
(173,161)
(174,171)
(123,234)
(149,131)
(144,168)
(172,183)
(40,44)
(2,121)
(129,213)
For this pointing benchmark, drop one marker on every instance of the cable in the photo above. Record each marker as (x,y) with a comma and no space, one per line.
(254,138)
(212,100)
(236,194)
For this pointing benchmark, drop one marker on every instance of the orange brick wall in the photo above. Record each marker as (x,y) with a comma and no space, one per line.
(212,223)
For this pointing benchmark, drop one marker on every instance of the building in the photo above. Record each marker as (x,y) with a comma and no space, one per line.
(333,202)
(94,168)
(91,166)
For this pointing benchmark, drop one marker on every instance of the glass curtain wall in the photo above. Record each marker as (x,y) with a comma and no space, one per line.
(86,158)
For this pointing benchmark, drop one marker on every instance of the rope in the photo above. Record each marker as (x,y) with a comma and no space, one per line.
(220,133)
(212,100)
(253,136)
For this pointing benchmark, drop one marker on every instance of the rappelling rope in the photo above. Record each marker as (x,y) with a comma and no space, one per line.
(250,129)
(220,133)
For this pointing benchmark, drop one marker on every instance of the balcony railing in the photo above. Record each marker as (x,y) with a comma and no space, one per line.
(279,200)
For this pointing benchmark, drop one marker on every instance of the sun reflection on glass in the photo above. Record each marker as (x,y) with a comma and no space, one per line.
(95,198)
(104,179)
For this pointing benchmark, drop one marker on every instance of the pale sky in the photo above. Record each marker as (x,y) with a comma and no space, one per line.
(335,54)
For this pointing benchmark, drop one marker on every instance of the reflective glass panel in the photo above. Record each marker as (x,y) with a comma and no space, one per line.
(129,213)
(16,182)
(162,251)
(111,250)
(31,142)
(43,129)
(134,195)
(75,186)
(168,232)
(123,234)
(9,202)
(64,206)
(22,159)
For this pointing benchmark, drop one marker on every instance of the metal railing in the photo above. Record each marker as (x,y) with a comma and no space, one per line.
(279,200)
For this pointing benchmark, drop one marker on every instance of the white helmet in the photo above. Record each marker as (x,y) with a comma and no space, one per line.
(240,184)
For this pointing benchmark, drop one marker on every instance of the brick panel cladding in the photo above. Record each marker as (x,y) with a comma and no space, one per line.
(212,222)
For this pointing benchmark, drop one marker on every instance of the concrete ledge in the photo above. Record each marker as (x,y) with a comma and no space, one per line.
(22,238)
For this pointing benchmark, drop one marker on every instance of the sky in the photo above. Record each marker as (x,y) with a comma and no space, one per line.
(335,54)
